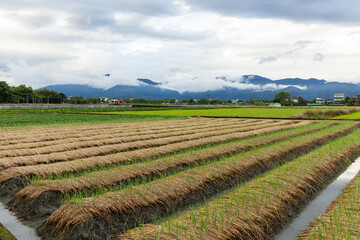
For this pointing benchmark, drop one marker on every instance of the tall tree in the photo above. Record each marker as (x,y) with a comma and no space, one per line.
(49,96)
(22,93)
(281,96)
(5,92)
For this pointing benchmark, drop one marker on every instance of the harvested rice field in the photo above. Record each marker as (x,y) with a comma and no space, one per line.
(195,178)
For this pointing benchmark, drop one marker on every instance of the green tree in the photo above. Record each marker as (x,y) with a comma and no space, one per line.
(5,92)
(258,102)
(22,93)
(49,96)
(302,101)
(191,101)
(352,101)
(93,100)
(203,101)
(77,100)
(281,97)
(62,97)
(347,99)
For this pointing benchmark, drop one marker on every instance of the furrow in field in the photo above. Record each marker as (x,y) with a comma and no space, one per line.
(111,139)
(45,136)
(117,132)
(260,208)
(341,219)
(28,200)
(15,178)
(86,127)
(7,134)
(14,134)
(122,147)
(161,197)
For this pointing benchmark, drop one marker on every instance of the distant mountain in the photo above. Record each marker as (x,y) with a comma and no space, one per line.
(245,88)
(145,92)
(77,90)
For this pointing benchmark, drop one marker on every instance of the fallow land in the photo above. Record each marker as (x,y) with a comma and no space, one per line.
(190,178)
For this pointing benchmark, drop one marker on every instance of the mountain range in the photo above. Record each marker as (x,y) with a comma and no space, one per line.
(245,87)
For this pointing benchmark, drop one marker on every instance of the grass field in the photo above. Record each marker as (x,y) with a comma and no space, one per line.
(235,112)
(190,178)
(16,118)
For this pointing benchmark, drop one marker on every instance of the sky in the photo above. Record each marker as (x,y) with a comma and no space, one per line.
(185,44)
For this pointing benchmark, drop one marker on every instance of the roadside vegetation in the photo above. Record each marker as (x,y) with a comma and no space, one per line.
(328,113)
(5,234)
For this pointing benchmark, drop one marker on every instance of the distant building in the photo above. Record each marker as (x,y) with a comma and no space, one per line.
(275,105)
(104,99)
(338,97)
(320,100)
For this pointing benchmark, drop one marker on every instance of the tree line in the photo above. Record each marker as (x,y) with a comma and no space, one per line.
(24,94)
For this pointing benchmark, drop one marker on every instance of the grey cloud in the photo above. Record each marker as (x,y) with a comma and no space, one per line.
(267,59)
(4,68)
(296,47)
(32,59)
(332,11)
(145,7)
(93,15)
(32,20)
(318,57)
(354,33)
(91,21)
(134,26)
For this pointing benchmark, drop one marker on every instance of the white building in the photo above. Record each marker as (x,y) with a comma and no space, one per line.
(275,105)
(320,100)
(338,97)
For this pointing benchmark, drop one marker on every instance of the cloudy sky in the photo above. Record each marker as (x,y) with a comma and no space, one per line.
(183,43)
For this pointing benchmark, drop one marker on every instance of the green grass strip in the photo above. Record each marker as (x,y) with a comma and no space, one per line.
(349,116)
(5,234)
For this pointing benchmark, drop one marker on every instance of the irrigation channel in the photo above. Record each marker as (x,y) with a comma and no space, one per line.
(18,229)
(316,207)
